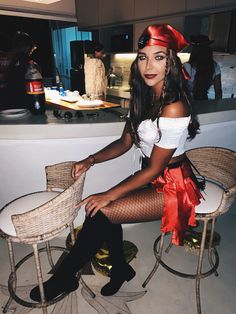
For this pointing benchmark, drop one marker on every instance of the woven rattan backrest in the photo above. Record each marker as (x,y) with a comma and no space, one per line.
(59,175)
(218,164)
(48,220)
(215,163)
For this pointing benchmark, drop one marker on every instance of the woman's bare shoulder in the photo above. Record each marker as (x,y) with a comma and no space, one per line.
(175,110)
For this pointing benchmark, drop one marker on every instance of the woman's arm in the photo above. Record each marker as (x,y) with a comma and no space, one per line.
(159,159)
(111,151)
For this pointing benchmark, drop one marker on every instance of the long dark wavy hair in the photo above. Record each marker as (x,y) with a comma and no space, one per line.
(201,58)
(144,104)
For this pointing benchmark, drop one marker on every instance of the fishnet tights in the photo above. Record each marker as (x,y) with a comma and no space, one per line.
(139,206)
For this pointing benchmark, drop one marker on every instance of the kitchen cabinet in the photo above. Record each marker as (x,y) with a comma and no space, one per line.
(220,3)
(117,39)
(219,29)
(94,13)
(192,5)
(106,11)
(124,10)
(168,7)
(87,12)
(147,10)
(100,13)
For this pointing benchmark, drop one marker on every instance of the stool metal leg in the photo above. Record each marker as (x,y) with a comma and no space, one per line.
(158,254)
(49,255)
(11,282)
(198,274)
(167,250)
(13,272)
(199,266)
(40,278)
(210,249)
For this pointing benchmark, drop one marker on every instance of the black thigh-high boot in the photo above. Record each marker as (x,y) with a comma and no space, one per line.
(121,271)
(89,241)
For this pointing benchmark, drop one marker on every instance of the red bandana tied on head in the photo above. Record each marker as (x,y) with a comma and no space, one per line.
(162,35)
(166,36)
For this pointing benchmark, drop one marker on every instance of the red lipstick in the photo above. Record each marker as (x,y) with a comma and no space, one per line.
(150,76)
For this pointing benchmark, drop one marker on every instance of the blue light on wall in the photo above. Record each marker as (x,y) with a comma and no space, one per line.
(61,44)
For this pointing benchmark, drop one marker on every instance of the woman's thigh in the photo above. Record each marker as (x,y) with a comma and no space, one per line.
(138,206)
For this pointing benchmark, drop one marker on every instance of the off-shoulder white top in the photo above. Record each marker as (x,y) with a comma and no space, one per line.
(174,133)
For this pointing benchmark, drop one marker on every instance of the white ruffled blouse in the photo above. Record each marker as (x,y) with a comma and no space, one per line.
(174,133)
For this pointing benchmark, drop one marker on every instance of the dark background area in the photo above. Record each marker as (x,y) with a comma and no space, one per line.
(39,30)
(220,27)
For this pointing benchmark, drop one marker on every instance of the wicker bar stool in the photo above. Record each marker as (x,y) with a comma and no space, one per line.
(38,218)
(218,165)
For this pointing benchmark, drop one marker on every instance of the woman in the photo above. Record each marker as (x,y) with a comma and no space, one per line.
(202,69)
(160,121)
(94,70)
(13,65)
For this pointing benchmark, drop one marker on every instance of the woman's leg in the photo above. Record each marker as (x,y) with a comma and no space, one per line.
(90,239)
(138,206)
(121,271)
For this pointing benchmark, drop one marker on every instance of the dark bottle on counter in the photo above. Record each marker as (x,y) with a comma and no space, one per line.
(35,89)
(59,84)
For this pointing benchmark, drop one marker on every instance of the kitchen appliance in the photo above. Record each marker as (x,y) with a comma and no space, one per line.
(122,43)
(78,49)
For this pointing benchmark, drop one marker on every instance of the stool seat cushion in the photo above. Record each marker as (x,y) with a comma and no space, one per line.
(22,205)
(213,194)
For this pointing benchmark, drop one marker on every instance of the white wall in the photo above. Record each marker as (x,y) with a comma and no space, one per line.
(22,164)
(62,10)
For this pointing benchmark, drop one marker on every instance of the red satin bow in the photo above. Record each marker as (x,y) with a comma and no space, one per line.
(181,195)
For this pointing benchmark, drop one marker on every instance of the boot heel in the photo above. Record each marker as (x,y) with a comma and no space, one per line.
(131,275)
(117,280)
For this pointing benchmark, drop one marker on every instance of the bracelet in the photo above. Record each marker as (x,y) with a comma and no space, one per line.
(93,160)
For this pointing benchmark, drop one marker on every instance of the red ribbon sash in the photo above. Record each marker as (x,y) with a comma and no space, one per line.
(181,195)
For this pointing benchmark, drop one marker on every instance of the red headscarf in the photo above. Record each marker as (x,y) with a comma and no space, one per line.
(162,35)
(166,36)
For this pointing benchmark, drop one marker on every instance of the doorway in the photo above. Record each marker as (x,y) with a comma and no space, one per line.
(62,35)
(52,39)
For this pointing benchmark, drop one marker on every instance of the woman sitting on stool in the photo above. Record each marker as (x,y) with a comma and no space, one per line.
(160,122)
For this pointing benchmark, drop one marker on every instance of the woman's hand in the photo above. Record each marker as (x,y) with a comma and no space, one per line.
(95,202)
(80,167)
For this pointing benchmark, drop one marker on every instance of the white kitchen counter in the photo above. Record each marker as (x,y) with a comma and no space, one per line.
(100,123)
(94,123)
(28,144)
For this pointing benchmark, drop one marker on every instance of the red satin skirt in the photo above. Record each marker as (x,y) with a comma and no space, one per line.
(181,195)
